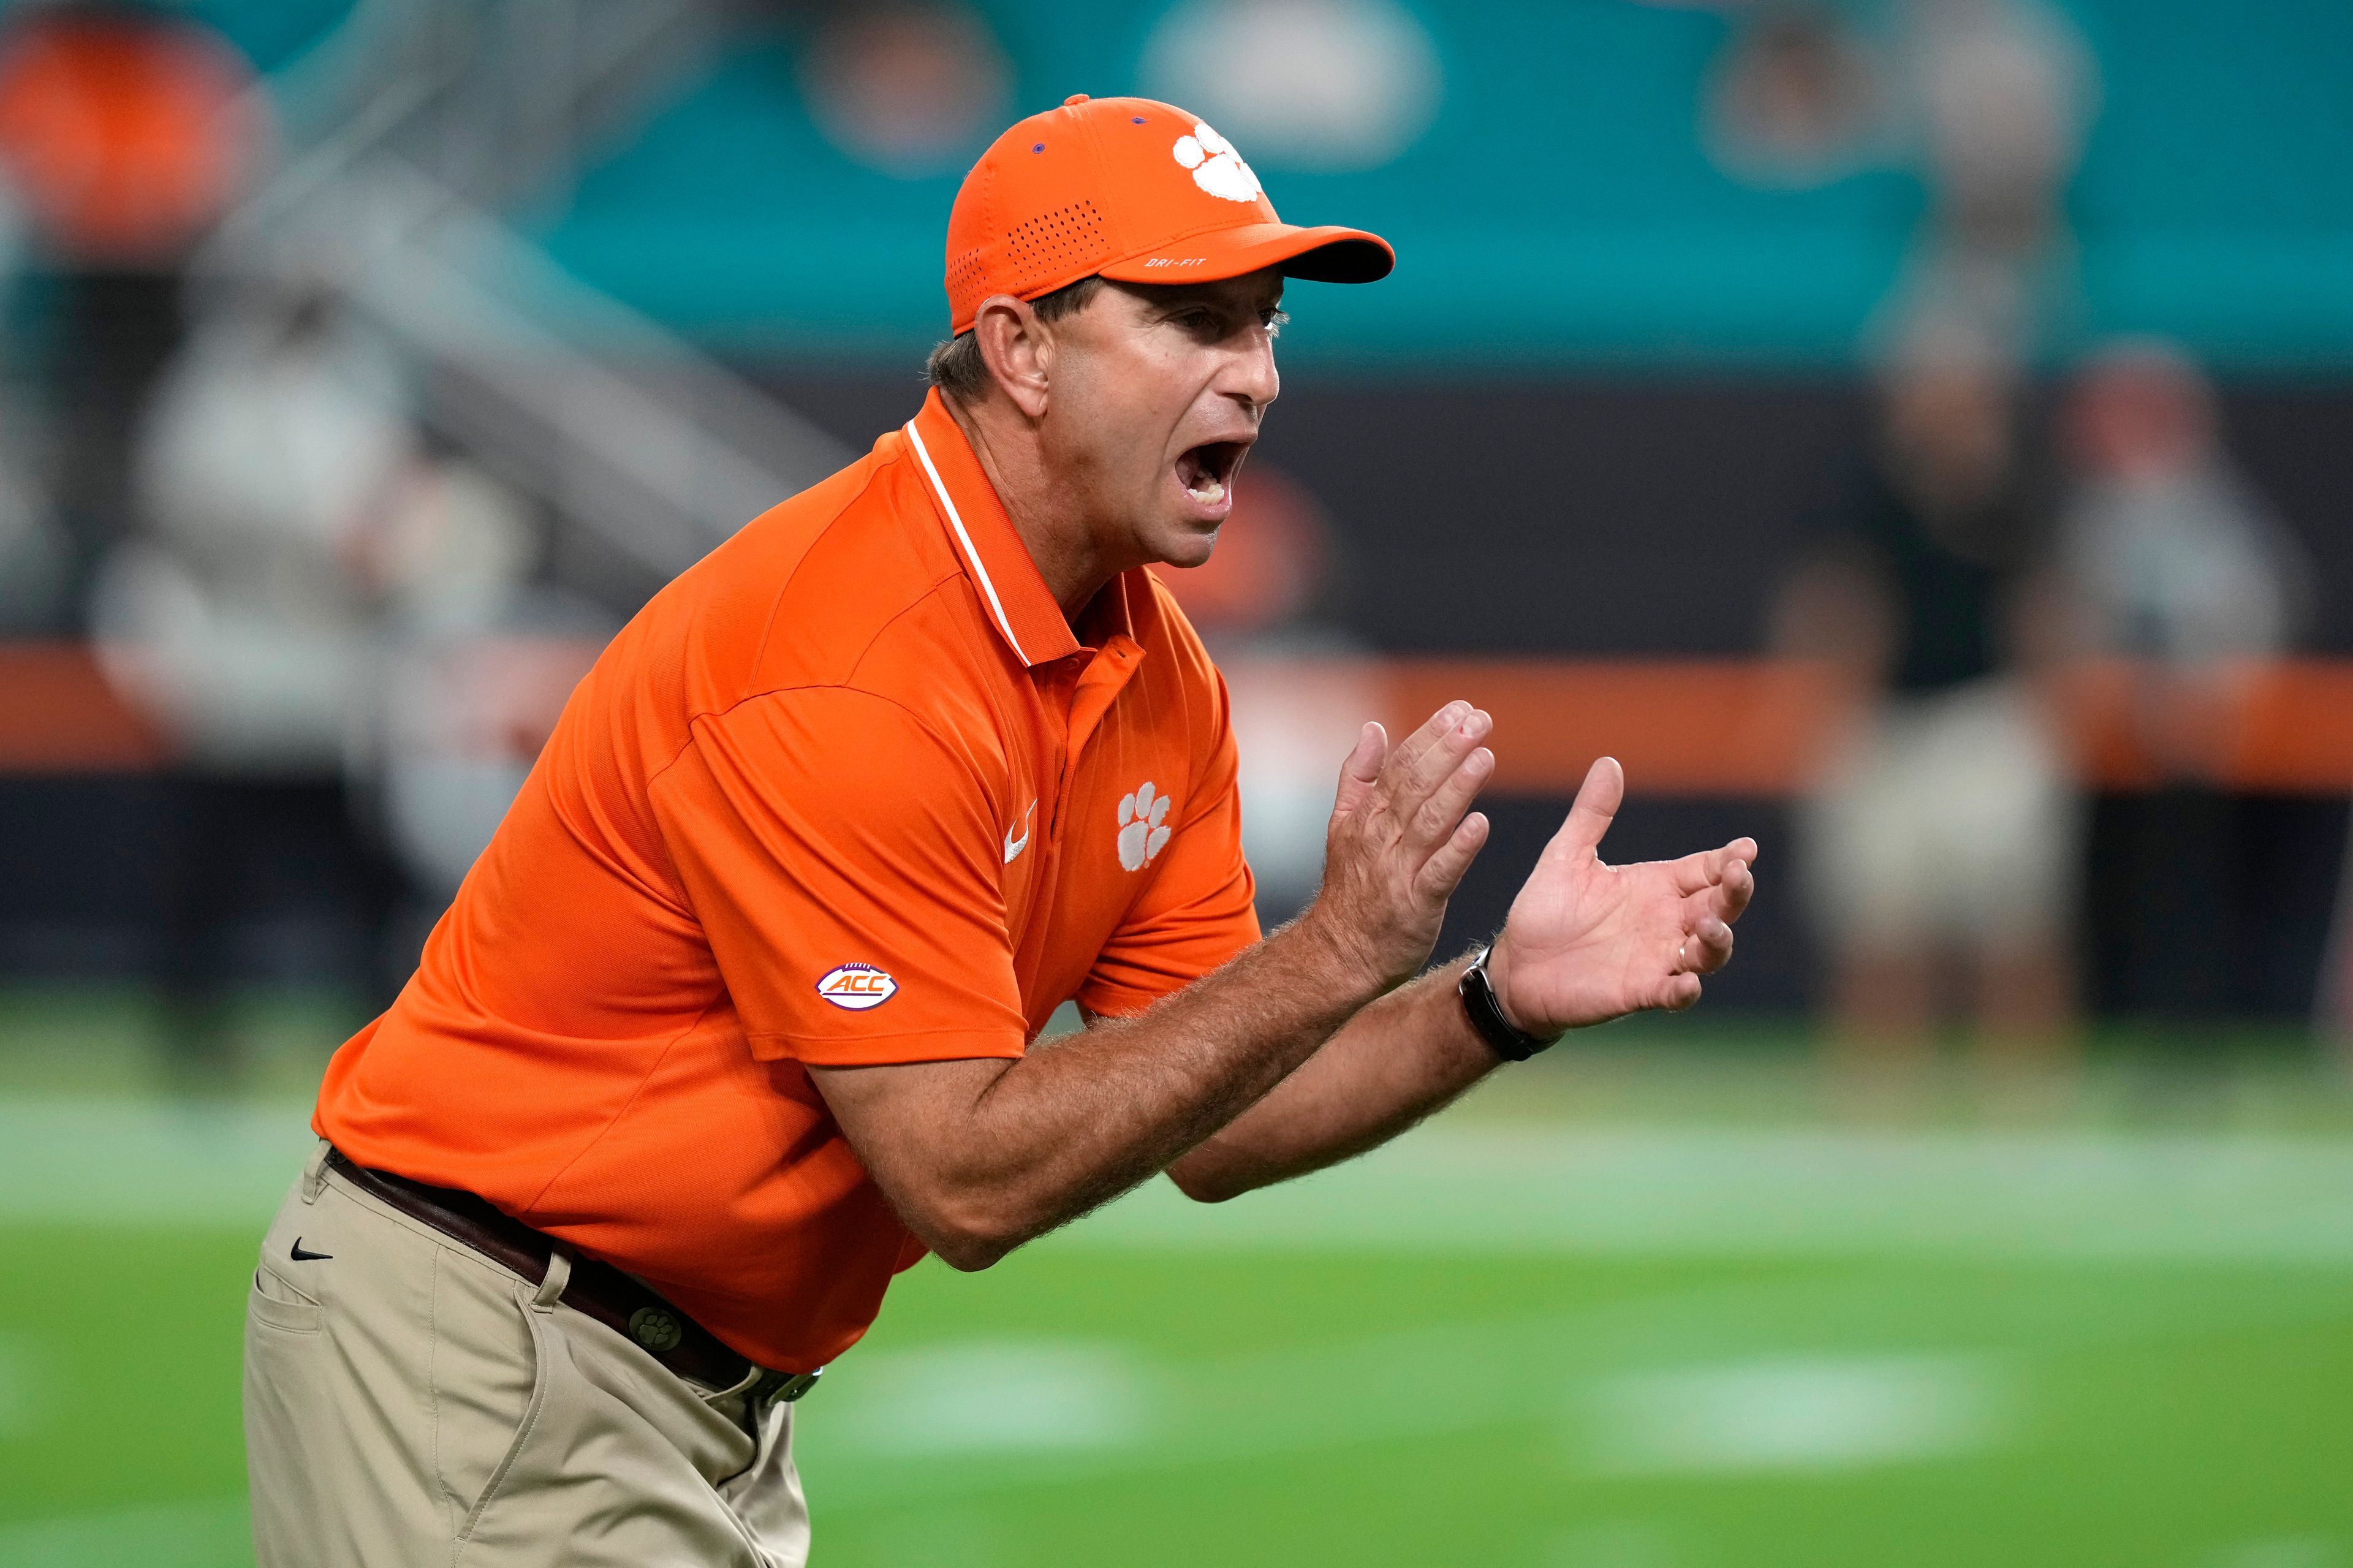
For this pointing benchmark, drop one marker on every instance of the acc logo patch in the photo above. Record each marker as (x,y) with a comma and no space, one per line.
(857,986)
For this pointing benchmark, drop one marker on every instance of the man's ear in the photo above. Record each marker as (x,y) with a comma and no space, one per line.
(1017,348)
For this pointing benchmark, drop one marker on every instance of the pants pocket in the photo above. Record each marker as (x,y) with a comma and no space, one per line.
(274,1304)
(522,1471)
(598,1473)
(286,1407)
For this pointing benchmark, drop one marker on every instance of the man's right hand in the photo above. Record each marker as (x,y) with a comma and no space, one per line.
(1398,844)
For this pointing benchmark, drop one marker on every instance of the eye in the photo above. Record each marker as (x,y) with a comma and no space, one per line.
(1274,321)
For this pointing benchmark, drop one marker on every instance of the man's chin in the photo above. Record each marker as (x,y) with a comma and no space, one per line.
(1185,544)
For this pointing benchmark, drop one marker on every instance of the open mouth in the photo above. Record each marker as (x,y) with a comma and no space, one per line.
(1207,470)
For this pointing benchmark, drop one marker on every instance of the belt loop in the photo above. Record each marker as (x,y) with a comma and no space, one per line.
(559,1275)
(747,1384)
(314,1174)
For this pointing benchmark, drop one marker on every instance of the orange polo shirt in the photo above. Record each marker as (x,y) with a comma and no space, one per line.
(848,792)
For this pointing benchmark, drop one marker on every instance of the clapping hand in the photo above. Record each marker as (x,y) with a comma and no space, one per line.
(1586,941)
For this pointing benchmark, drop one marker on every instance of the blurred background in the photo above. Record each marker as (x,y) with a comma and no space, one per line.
(1917,433)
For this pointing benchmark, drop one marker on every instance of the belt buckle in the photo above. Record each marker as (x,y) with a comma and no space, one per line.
(785,1386)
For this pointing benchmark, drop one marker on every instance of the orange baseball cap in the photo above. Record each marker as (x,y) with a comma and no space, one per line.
(1131,189)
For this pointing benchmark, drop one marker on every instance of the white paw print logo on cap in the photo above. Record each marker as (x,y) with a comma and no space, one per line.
(1141,834)
(1217,167)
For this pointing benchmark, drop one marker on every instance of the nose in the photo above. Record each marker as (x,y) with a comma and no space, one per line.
(1250,376)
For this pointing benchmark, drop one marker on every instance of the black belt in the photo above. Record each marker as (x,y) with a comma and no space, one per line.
(599,1290)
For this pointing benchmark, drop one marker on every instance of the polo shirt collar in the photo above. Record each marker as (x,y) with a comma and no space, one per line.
(993,557)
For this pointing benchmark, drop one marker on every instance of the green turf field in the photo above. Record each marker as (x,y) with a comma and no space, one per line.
(1682,1302)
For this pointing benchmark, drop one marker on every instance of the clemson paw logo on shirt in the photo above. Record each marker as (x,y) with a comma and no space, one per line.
(1141,833)
(1217,167)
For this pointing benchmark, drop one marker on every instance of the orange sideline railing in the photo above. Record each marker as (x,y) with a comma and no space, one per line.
(1681,727)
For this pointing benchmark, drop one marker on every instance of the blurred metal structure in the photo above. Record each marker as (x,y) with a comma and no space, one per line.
(409,129)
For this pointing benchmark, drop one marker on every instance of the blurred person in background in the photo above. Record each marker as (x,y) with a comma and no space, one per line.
(2172,554)
(476,660)
(2174,564)
(126,131)
(1334,86)
(34,555)
(1797,98)
(913,88)
(2000,94)
(240,617)
(1295,679)
(1941,845)
(1987,101)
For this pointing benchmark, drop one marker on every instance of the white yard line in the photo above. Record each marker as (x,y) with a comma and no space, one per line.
(1748,1193)
(1821,1371)
(138,1163)
(1464,1188)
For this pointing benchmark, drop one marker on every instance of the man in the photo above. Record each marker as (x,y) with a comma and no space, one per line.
(1942,842)
(2176,568)
(738,1015)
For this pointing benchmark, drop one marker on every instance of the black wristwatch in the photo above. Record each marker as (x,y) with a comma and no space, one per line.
(1478,994)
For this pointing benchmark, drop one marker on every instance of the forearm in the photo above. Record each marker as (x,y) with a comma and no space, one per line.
(1081,1119)
(1396,1061)
(980,1155)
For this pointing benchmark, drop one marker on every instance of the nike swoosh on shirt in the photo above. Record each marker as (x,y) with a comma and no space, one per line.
(1013,847)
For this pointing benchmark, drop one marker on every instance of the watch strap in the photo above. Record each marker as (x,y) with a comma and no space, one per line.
(1486,1014)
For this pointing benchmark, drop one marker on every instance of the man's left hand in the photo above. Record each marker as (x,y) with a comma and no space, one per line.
(1585,942)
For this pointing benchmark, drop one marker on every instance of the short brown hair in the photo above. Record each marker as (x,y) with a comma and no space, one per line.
(956,367)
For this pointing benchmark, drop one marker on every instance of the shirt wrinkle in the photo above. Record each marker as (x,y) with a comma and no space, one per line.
(850,685)
(722,714)
(776,603)
(592,846)
(622,1109)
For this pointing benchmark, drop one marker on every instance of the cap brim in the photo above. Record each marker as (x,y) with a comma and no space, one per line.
(1321,255)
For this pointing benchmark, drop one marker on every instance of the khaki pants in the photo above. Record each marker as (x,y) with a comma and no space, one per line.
(409,1402)
(1950,818)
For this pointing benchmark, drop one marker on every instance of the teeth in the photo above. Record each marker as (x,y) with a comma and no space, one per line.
(1210,491)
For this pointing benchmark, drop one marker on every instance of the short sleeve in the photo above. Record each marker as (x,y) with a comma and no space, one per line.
(1200,909)
(842,861)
